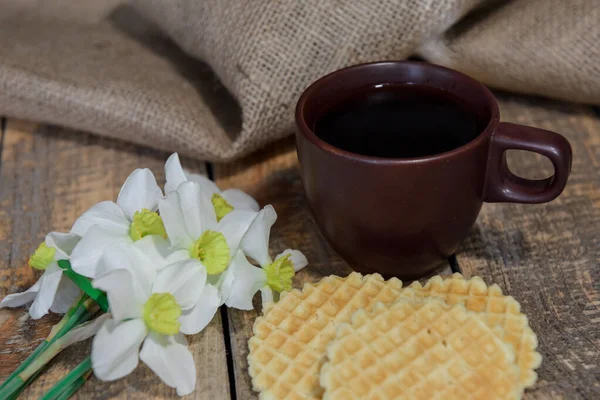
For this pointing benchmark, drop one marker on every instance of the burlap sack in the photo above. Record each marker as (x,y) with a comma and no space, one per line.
(545,47)
(145,72)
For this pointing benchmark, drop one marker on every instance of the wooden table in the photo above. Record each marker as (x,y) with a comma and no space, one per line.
(547,256)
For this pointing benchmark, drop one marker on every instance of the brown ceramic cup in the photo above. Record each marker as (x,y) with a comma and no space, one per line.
(405,216)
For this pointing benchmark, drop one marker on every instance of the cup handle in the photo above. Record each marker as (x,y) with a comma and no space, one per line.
(502,185)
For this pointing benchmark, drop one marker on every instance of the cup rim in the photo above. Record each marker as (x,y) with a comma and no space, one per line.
(308,133)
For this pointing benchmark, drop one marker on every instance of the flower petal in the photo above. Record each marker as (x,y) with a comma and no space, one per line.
(195,319)
(224,284)
(45,296)
(266,294)
(178,255)
(170,359)
(64,243)
(19,299)
(197,209)
(66,294)
(235,225)
(296,257)
(122,294)
(106,214)
(128,257)
(89,250)
(247,280)
(183,279)
(174,221)
(240,200)
(255,242)
(207,187)
(157,249)
(173,173)
(115,348)
(139,191)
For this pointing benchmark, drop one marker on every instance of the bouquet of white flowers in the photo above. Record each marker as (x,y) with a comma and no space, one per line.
(156,267)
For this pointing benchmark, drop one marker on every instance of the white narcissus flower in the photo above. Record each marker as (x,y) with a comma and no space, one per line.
(152,306)
(131,218)
(273,276)
(52,291)
(223,201)
(193,230)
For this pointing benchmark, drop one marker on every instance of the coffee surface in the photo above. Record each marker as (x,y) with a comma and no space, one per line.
(399,121)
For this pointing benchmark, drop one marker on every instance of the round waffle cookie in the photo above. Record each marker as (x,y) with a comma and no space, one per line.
(496,309)
(290,339)
(419,349)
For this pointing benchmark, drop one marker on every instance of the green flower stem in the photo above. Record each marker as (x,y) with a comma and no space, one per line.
(54,345)
(43,359)
(70,383)
(70,391)
(18,383)
(24,386)
(12,388)
(84,284)
(82,311)
(42,346)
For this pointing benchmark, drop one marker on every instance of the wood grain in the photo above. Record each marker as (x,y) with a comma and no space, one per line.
(272,176)
(548,256)
(48,177)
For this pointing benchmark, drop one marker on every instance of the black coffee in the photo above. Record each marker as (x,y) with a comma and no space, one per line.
(399,122)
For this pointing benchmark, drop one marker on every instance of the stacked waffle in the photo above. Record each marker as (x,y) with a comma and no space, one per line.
(362,337)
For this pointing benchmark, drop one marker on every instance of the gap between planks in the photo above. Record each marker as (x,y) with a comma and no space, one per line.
(225,322)
(454,266)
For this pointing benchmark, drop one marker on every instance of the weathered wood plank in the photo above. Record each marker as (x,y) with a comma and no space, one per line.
(48,177)
(548,256)
(272,176)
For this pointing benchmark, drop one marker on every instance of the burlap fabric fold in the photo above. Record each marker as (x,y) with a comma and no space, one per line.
(217,79)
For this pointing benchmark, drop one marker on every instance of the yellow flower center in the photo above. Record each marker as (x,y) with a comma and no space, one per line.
(161,314)
(146,222)
(280,273)
(42,257)
(212,249)
(222,207)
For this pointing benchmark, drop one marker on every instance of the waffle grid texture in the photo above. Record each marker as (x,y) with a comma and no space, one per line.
(290,339)
(496,309)
(419,350)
